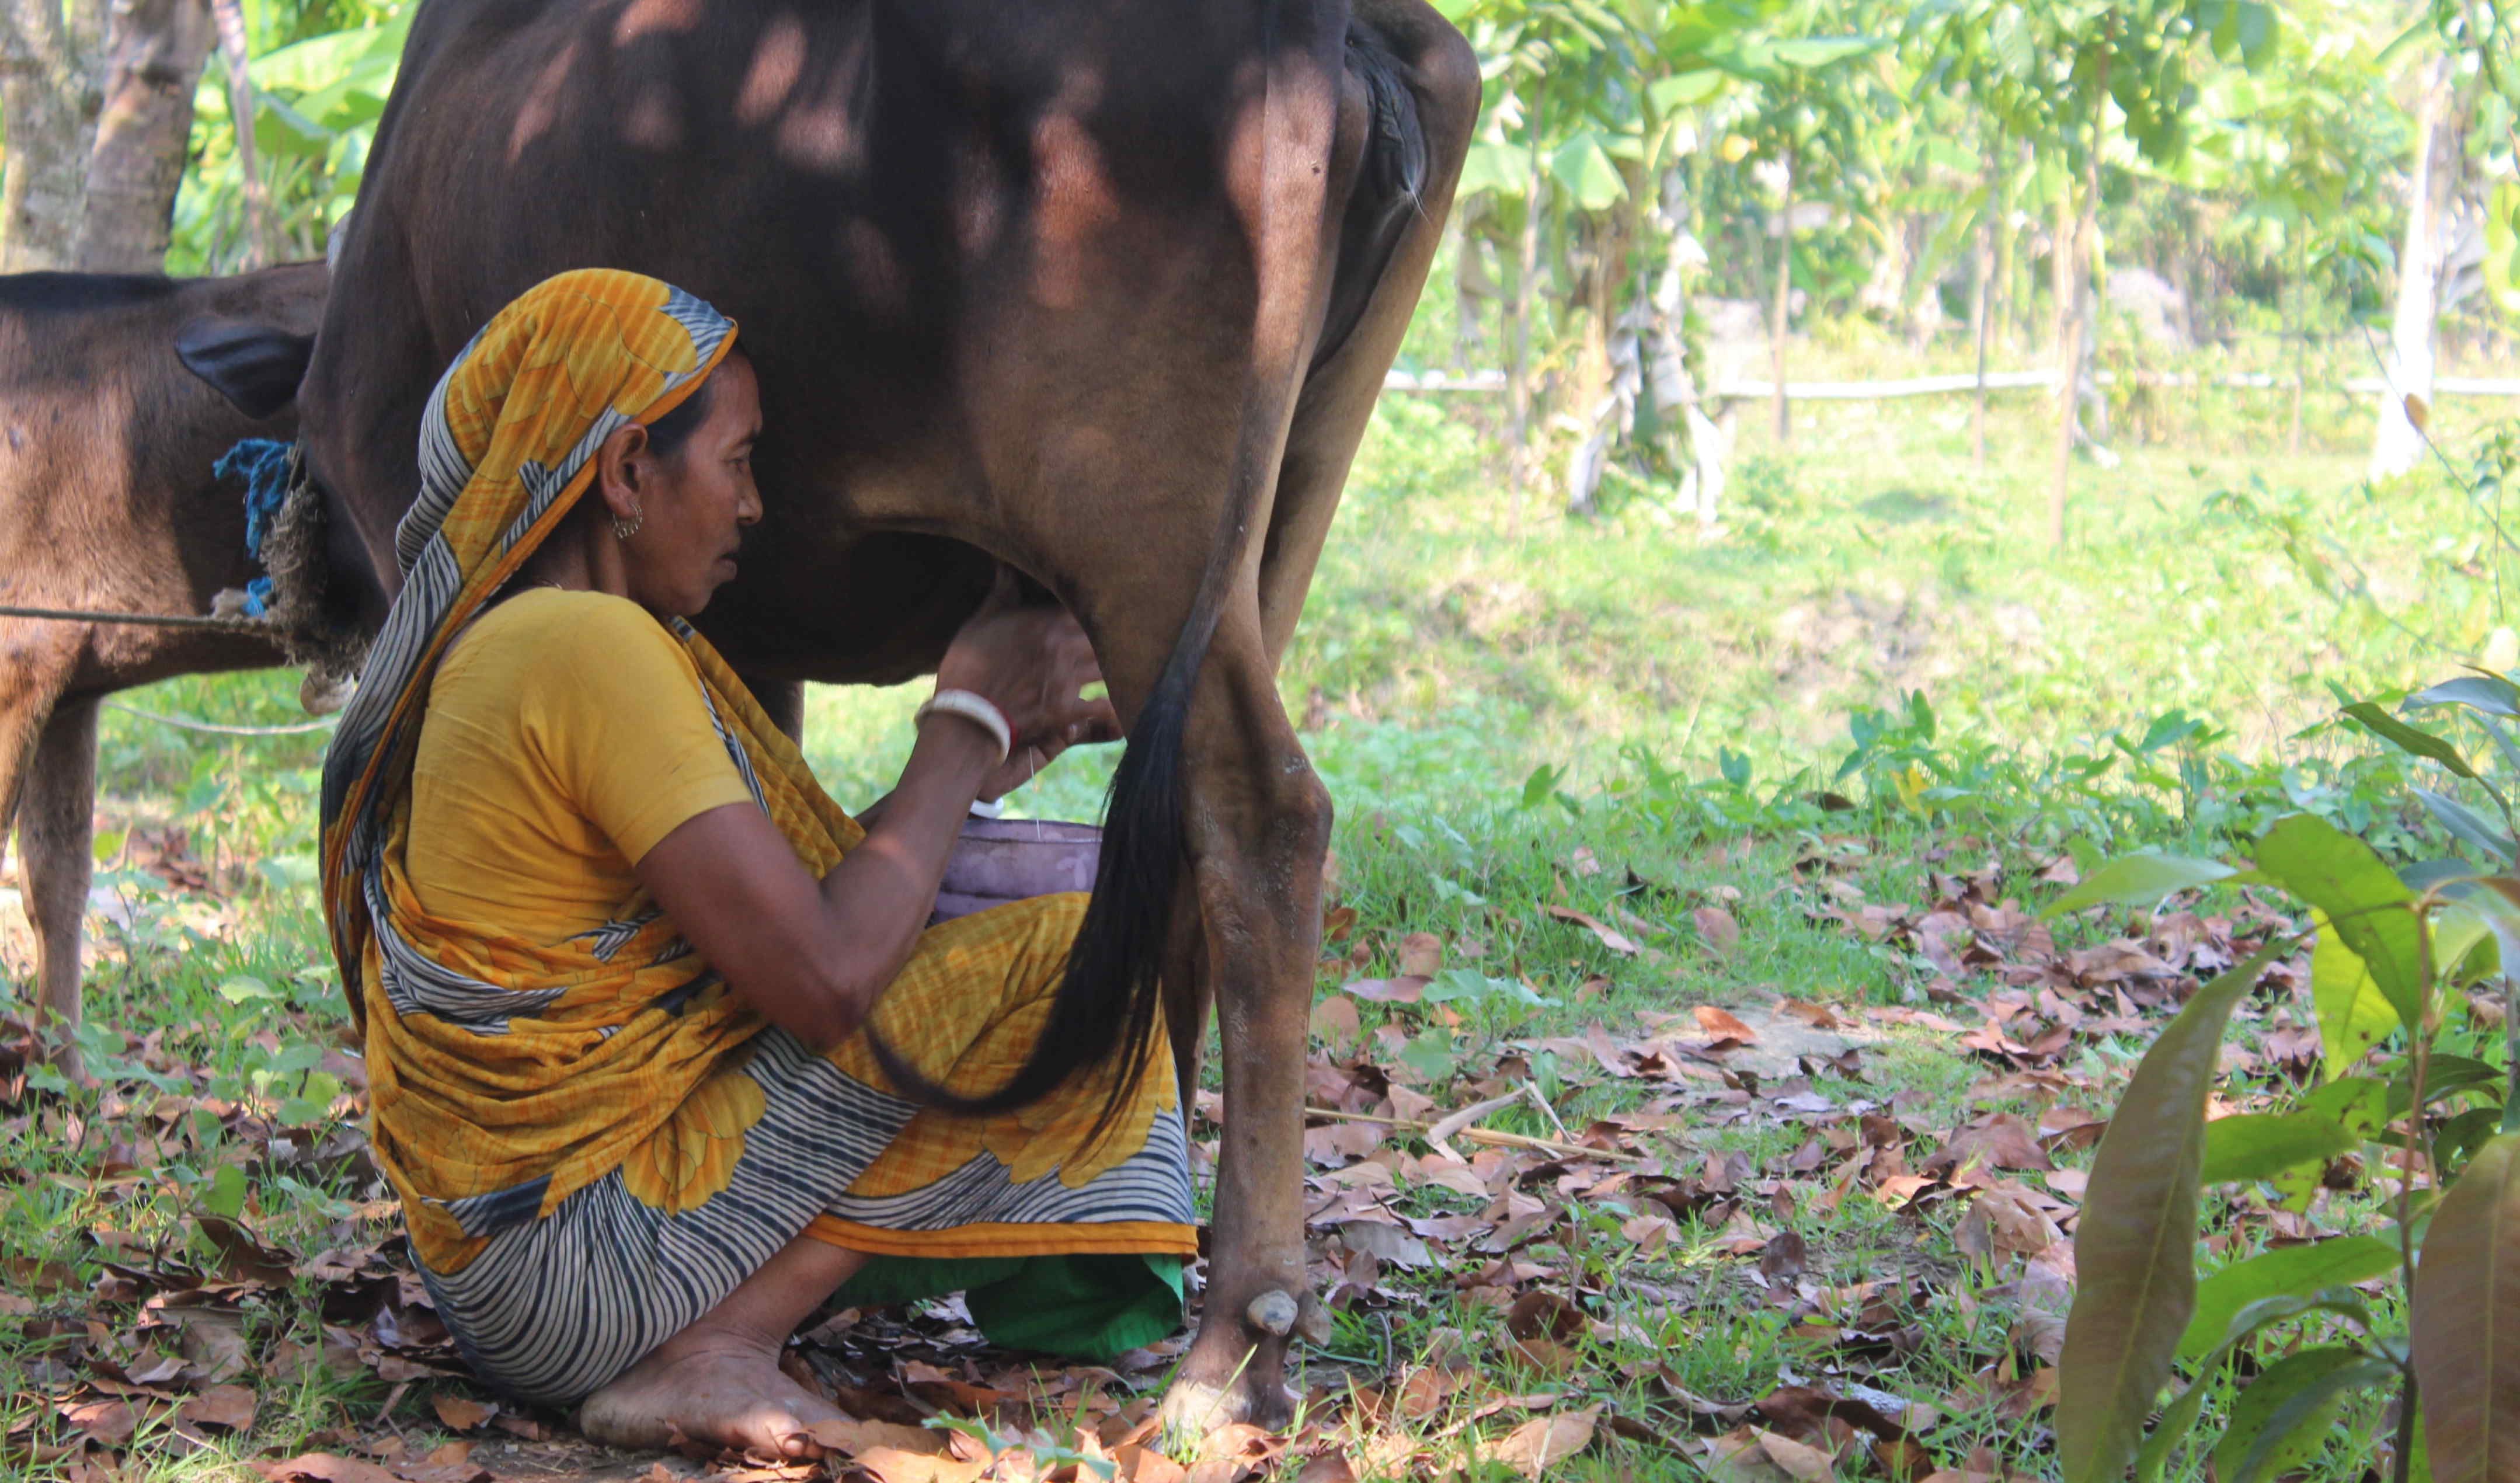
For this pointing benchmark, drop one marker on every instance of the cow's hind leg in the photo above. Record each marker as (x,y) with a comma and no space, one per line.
(1259,823)
(55,828)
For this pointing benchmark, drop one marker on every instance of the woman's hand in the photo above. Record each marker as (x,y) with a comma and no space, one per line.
(1032,663)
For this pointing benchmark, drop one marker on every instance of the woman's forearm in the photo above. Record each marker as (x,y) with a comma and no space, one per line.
(878,897)
(815,957)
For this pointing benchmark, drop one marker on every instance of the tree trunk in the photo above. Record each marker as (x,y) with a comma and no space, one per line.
(2020,313)
(1614,354)
(1471,289)
(1777,324)
(229,17)
(48,105)
(1526,298)
(2296,330)
(1690,437)
(1981,287)
(2060,271)
(2399,444)
(153,63)
(2073,283)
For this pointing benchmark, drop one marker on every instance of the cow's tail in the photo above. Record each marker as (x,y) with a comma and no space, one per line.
(1110,997)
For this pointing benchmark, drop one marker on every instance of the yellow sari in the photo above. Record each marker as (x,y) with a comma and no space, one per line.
(594,1141)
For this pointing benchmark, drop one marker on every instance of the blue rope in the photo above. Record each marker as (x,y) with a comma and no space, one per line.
(263,464)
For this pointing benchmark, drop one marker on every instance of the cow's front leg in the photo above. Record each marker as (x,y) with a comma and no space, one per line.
(1259,826)
(34,670)
(56,835)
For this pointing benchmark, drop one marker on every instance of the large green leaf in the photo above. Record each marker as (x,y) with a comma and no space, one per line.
(2279,1420)
(280,130)
(2503,247)
(2336,1263)
(1686,89)
(1583,168)
(2460,927)
(2362,898)
(2465,1330)
(2179,1419)
(2408,739)
(1504,168)
(2263,1144)
(2353,1015)
(2470,826)
(2138,880)
(321,60)
(1821,51)
(2136,1248)
(2491,695)
(2240,31)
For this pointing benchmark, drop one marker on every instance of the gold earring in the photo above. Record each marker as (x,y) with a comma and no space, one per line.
(623,530)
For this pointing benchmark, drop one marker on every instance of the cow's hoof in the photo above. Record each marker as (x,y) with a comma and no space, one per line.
(1192,1409)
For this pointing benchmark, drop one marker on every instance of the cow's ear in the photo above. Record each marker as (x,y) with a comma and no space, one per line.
(255,367)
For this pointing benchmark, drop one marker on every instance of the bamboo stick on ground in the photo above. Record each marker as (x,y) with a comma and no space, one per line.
(1491,1136)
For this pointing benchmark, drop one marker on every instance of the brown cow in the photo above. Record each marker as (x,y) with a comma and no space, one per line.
(108,504)
(1100,289)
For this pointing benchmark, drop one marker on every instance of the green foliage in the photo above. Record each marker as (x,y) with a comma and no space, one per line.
(321,70)
(2135,1247)
(2393,949)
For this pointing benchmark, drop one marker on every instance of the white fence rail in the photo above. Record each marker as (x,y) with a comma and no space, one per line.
(1491,382)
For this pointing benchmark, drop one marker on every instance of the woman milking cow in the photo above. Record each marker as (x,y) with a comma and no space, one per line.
(656,1031)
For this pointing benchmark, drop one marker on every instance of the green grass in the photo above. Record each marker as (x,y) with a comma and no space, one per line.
(1685,703)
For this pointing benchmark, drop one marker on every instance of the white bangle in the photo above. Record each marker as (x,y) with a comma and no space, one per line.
(974,708)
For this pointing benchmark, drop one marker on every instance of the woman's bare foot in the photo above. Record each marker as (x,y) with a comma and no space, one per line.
(709,1386)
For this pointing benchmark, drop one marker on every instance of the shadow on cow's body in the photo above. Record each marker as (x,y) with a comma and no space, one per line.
(108,504)
(1101,290)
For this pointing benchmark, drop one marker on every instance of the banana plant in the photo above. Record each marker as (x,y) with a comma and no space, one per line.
(317,86)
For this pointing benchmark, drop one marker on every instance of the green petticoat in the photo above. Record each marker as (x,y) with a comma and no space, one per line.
(1079,1307)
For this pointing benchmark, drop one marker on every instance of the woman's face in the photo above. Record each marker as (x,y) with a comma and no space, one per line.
(693,503)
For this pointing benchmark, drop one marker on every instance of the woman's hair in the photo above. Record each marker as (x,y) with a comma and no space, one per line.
(667,434)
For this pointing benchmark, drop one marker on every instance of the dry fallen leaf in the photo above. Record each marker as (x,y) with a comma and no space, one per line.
(1541,1443)
(1390,1244)
(1717,927)
(1140,1464)
(109,1422)
(465,1472)
(1421,955)
(1724,1023)
(324,1468)
(229,1406)
(1803,1462)
(1336,1022)
(1407,989)
(856,1437)
(895,1454)
(460,1413)
(1997,1140)
(1611,937)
